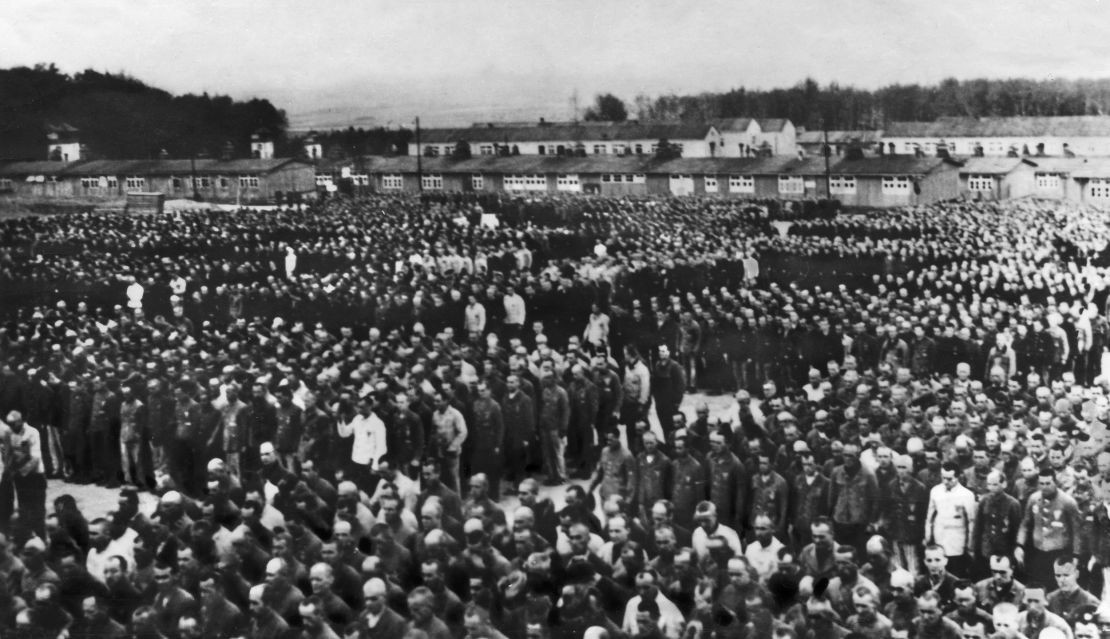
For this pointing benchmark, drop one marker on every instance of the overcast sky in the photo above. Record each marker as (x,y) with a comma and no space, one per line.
(384,61)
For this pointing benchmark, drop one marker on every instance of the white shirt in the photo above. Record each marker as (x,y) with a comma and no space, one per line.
(765,559)
(369,432)
(124,547)
(671,620)
(514,309)
(135,295)
(950,518)
(700,540)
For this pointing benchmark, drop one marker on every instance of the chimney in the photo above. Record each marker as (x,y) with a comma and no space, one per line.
(228,151)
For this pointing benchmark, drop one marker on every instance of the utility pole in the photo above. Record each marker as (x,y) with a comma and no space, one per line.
(419,158)
(193,174)
(827,151)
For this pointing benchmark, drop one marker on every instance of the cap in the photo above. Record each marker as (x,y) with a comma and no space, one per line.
(171,497)
(801,447)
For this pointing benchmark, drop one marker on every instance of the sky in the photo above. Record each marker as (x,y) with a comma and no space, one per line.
(383,62)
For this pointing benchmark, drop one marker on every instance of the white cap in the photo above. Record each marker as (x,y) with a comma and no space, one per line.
(172,497)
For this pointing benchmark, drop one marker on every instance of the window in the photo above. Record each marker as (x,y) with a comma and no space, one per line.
(638,178)
(741,184)
(980,183)
(224,181)
(447,150)
(532,182)
(432,182)
(485,149)
(392,182)
(323,179)
(996,148)
(599,149)
(477,182)
(567,182)
(791,184)
(248,181)
(639,149)
(711,184)
(541,149)
(843,184)
(204,182)
(5,184)
(176,182)
(90,182)
(620,149)
(1047,182)
(113,181)
(909,147)
(431,151)
(360,179)
(897,185)
(134,183)
(1099,189)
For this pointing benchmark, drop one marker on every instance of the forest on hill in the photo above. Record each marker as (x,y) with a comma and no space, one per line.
(837,106)
(120,117)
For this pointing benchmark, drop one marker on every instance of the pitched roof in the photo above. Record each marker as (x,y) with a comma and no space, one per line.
(891,165)
(568,132)
(1046,126)
(991,166)
(249,165)
(840,137)
(773,125)
(137,167)
(732,124)
(40,167)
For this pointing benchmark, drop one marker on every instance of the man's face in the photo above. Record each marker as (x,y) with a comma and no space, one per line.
(822,536)
(618,532)
(935,561)
(163,579)
(948,477)
(1067,577)
(980,459)
(1047,486)
(1002,573)
(865,607)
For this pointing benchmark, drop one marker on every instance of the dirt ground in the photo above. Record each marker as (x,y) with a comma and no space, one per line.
(97,501)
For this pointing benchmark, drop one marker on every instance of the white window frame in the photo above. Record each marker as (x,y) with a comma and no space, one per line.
(485,149)
(741,183)
(90,183)
(639,178)
(5,184)
(1048,181)
(393,182)
(792,185)
(639,149)
(980,183)
(842,184)
(204,182)
(324,179)
(1098,189)
(136,183)
(897,185)
(113,181)
(432,182)
(223,181)
(361,179)
(477,182)
(568,182)
(599,149)
(710,184)
(176,183)
(248,181)
(620,149)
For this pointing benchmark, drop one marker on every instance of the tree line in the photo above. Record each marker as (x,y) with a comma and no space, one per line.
(837,106)
(121,117)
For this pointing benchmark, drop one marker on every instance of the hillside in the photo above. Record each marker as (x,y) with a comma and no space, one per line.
(121,117)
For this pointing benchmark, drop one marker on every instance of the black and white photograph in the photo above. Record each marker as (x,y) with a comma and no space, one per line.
(561,319)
